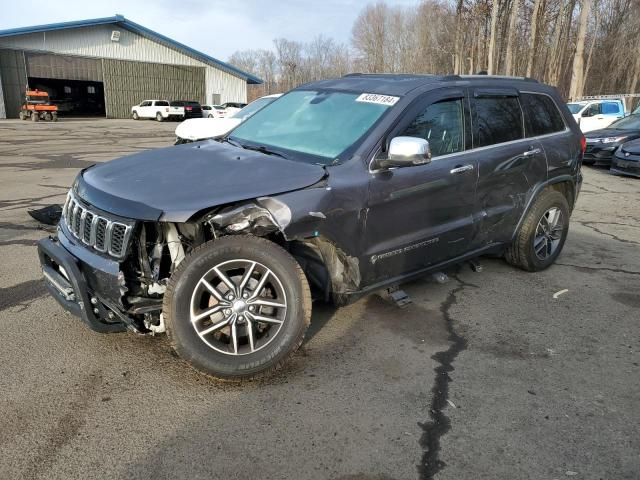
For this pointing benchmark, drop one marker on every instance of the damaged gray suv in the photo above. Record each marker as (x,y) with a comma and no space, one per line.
(337,189)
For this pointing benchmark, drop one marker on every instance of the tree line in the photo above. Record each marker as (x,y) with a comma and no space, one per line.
(584,47)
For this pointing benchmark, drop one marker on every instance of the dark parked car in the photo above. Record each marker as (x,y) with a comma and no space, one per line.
(626,161)
(337,189)
(603,144)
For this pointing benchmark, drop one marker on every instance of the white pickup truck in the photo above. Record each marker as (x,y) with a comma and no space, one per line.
(165,110)
(596,114)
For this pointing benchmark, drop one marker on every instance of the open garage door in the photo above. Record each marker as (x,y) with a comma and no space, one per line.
(128,83)
(74,84)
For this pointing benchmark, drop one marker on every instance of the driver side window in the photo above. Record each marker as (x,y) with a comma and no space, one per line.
(593,109)
(442,125)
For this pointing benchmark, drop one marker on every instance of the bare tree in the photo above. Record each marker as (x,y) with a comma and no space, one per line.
(493,39)
(577,77)
(511,37)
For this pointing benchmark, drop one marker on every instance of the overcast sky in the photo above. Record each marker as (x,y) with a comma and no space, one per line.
(215,27)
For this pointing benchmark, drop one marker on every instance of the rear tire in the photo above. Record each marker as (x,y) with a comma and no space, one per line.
(35,117)
(22,115)
(135,116)
(159,117)
(542,233)
(54,117)
(245,337)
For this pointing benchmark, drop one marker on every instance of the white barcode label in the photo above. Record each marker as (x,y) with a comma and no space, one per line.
(379,99)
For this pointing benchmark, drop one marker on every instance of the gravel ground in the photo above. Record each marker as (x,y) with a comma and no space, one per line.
(486,376)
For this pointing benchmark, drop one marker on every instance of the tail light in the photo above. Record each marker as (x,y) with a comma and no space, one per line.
(583,144)
(187,108)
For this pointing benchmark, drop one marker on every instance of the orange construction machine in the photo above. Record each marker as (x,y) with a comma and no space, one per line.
(37,107)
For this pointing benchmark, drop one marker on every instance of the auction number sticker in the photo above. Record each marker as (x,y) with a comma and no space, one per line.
(379,99)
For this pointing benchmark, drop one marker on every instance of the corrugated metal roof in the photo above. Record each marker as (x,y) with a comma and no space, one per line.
(140,30)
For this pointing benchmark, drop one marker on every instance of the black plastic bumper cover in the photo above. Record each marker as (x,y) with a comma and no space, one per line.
(53,255)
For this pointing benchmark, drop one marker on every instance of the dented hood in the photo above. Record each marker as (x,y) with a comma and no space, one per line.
(172,184)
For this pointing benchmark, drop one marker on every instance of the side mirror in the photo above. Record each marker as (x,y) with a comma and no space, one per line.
(406,152)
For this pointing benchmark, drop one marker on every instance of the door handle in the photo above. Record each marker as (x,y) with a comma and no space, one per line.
(531,152)
(462,169)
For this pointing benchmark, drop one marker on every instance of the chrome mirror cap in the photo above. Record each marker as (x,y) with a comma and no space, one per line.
(407,151)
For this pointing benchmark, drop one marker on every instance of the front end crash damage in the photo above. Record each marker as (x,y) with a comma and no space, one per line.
(158,248)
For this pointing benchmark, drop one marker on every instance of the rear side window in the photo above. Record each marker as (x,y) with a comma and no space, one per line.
(162,103)
(498,120)
(541,114)
(610,107)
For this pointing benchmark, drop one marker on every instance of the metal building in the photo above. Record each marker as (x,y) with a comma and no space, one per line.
(105,65)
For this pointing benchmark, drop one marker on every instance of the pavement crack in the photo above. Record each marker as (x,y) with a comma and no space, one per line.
(439,424)
(611,235)
(597,269)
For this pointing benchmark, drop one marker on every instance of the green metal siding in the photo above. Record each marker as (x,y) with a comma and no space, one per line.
(14,80)
(63,67)
(127,83)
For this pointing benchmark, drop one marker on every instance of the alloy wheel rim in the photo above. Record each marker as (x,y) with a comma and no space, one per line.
(238,307)
(548,233)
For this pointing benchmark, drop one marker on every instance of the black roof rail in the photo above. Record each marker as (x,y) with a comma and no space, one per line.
(498,77)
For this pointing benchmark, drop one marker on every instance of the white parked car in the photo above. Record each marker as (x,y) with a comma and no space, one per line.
(596,114)
(213,111)
(231,108)
(196,129)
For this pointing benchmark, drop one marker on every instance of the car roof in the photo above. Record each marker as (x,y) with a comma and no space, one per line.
(402,84)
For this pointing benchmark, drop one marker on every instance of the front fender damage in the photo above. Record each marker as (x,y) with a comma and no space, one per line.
(266,215)
(260,217)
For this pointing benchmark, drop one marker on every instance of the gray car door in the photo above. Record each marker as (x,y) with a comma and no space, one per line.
(422,215)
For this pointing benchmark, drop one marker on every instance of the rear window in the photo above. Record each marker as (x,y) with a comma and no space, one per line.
(541,115)
(498,120)
(192,104)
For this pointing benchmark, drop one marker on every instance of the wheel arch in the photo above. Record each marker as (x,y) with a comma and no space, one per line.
(565,184)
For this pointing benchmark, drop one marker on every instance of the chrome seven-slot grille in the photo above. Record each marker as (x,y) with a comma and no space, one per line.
(97,231)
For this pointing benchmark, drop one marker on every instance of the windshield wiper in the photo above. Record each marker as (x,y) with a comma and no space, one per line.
(232,142)
(263,149)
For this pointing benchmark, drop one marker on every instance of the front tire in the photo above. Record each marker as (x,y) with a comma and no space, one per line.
(135,116)
(237,307)
(542,233)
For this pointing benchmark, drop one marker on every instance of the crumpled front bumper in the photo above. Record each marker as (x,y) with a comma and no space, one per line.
(73,276)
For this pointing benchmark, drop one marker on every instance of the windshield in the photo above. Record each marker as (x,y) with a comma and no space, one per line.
(632,122)
(575,107)
(252,108)
(319,123)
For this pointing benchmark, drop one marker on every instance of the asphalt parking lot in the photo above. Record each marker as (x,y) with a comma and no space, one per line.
(487,376)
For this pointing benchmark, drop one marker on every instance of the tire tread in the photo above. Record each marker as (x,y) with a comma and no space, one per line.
(167,304)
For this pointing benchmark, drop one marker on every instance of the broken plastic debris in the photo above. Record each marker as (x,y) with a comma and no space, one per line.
(560,292)
(570,473)
(451,403)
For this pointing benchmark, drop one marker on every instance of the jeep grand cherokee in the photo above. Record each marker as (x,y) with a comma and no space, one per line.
(337,189)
